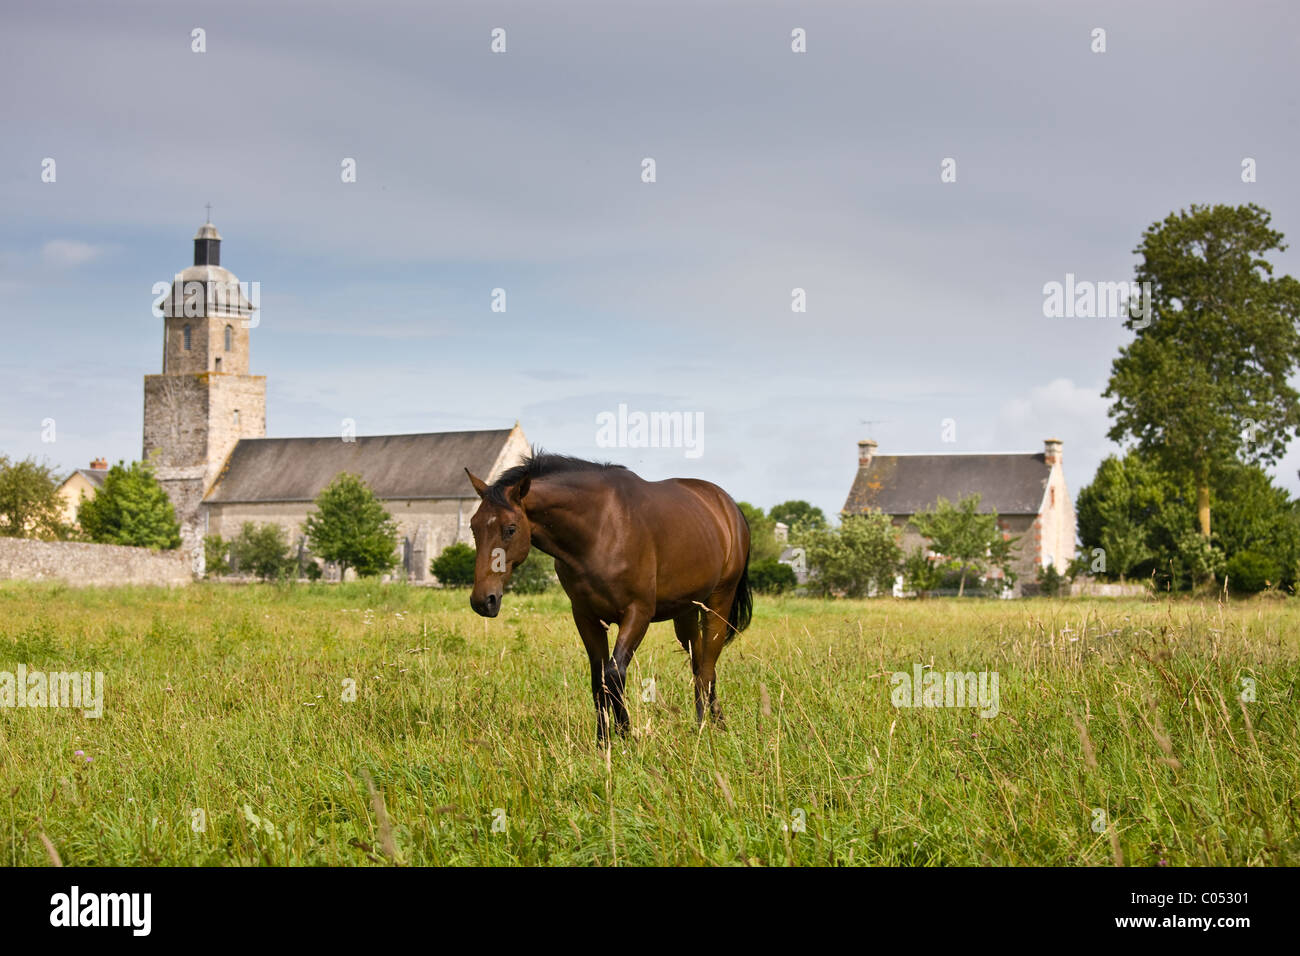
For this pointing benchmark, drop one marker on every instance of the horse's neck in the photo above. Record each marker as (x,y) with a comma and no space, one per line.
(560,526)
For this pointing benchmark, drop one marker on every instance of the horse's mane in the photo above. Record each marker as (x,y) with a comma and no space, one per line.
(540,464)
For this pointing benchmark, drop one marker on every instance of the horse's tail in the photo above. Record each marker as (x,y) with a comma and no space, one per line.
(742,605)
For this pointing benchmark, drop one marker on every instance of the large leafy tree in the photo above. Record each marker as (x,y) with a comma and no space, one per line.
(1115,515)
(960,533)
(859,556)
(797,514)
(351,528)
(132,509)
(30,506)
(1210,362)
(1134,496)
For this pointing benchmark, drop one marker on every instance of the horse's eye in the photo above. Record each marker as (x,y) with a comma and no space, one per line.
(508,533)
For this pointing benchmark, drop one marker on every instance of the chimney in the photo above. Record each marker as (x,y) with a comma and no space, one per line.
(99,464)
(866,451)
(1052,451)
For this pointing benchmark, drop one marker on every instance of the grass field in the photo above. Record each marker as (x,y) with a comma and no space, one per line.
(225,738)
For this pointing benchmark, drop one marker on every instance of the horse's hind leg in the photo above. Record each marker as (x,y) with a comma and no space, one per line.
(690,636)
(716,632)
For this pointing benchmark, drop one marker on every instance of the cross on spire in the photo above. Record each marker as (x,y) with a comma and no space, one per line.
(208,207)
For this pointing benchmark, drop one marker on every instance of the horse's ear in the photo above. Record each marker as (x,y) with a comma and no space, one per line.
(479,485)
(518,491)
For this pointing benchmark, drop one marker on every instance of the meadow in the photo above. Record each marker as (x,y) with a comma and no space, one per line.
(370,724)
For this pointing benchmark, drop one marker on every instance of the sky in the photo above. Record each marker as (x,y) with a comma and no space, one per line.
(523,170)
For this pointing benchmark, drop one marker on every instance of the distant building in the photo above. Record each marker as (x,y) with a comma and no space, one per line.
(797,561)
(82,483)
(1026,490)
(205,434)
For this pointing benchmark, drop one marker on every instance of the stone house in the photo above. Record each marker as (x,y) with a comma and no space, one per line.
(205,435)
(1027,491)
(82,483)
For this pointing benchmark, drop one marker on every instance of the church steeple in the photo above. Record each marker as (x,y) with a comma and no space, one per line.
(207,246)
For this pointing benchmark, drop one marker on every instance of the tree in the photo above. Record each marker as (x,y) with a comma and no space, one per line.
(1141,517)
(132,509)
(959,532)
(770,576)
(263,550)
(798,514)
(1114,514)
(351,528)
(1211,359)
(762,533)
(30,506)
(862,555)
(454,568)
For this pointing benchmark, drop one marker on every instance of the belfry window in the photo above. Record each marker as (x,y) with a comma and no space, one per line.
(218,368)
(186,330)
(230,338)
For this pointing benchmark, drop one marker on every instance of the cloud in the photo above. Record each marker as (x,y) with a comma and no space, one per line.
(69,253)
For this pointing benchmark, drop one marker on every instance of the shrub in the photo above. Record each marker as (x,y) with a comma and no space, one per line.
(860,556)
(454,568)
(534,576)
(263,550)
(1250,571)
(216,554)
(1050,581)
(770,576)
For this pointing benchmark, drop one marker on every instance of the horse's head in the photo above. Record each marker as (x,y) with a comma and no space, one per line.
(502,537)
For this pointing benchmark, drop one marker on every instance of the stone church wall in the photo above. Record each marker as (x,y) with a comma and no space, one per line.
(78,563)
(428,524)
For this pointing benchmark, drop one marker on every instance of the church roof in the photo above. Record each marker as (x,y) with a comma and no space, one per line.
(1010,484)
(394,466)
(221,292)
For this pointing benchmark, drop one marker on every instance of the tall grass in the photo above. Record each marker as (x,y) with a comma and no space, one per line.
(226,738)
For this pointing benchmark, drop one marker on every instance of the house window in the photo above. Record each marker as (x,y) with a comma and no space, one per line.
(230,338)
(186,330)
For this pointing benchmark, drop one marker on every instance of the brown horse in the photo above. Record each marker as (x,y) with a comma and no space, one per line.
(627,552)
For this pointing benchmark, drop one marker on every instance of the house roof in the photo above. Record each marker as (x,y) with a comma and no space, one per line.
(394,466)
(93,475)
(905,484)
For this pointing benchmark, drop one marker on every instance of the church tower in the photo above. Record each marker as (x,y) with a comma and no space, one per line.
(205,400)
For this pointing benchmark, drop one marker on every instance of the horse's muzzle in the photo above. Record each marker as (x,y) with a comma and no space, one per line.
(488,606)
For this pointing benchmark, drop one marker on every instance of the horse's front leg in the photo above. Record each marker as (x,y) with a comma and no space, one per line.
(596,640)
(631,629)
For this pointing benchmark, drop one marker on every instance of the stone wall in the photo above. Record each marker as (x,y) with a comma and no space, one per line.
(76,563)
(1087,587)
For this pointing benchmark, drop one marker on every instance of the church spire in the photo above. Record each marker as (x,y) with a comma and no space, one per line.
(207,246)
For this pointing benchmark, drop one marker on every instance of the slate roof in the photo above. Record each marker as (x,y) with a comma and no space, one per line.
(1010,484)
(394,466)
(95,476)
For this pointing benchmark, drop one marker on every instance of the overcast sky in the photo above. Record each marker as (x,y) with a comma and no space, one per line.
(775,170)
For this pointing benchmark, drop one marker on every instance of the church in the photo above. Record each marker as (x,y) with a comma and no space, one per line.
(205,435)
